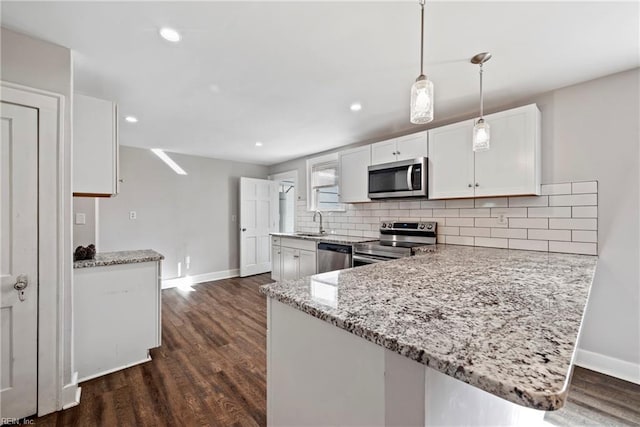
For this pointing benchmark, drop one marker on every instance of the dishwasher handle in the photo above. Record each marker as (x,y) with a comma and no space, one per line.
(335,247)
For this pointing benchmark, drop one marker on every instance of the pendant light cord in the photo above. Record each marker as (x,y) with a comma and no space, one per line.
(422,37)
(481,95)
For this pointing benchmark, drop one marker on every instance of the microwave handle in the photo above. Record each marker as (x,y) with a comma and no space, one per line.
(410,177)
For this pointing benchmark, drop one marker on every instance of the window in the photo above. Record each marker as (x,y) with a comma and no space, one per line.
(322,184)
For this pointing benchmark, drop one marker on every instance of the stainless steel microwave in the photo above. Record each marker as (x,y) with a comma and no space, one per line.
(407,178)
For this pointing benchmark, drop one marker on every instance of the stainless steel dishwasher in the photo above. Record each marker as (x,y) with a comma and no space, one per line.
(333,256)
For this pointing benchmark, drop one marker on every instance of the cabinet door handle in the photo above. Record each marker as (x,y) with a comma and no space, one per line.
(477,185)
(394,153)
(397,152)
(296,256)
(470,185)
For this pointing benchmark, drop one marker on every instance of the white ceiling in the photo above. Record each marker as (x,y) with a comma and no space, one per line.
(285,73)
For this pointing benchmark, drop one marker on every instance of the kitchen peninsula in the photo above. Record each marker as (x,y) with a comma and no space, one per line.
(459,336)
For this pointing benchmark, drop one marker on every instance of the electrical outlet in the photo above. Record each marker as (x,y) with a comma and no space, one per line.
(133,215)
(81,219)
(502,219)
(233,218)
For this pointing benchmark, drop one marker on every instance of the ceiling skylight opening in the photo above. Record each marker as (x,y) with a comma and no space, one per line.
(169,161)
(169,34)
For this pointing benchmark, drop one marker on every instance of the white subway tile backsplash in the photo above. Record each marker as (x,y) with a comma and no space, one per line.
(574,200)
(409,205)
(446,213)
(574,247)
(584,187)
(584,236)
(491,242)
(563,219)
(474,213)
(584,212)
(460,222)
(473,231)
(528,201)
(453,231)
(550,212)
(459,203)
(432,204)
(573,223)
(529,245)
(459,240)
(509,212)
(564,188)
(509,233)
(537,234)
(528,223)
(492,202)
(490,222)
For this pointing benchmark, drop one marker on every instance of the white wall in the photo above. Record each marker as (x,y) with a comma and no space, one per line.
(43,65)
(177,215)
(590,131)
(84,234)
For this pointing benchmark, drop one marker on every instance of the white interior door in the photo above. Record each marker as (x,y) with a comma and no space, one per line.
(259,210)
(18,261)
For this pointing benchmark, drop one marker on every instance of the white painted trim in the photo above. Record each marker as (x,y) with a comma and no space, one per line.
(608,365)
(200,278)
(119,368)
(71,393)
(54,239)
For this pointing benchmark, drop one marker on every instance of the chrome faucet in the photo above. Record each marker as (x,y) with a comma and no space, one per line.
(321,230)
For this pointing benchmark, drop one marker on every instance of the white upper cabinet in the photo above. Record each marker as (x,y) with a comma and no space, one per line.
(510,167)
(402,148)
(512,164)
(354,175)
(95,147)
(451,161)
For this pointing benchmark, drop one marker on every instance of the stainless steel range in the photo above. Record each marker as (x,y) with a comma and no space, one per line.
(397,240)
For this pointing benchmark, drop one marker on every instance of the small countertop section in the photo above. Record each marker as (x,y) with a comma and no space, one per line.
(505,321)
(120,257)
(329,238)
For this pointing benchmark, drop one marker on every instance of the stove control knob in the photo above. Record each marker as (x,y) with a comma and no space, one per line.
(421,226)
(390,225)
(429,227)
(384,225)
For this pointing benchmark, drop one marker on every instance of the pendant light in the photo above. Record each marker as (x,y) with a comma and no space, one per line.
(422,89)
(481,130)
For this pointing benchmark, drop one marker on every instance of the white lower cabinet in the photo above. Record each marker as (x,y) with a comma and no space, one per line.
(116,316)
(510,167)
(293,259)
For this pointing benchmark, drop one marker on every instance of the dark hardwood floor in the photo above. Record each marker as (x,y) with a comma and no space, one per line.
(211,370)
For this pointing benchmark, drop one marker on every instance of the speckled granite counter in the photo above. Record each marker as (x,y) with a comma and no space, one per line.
(120,257)
(504,321)
(330,238)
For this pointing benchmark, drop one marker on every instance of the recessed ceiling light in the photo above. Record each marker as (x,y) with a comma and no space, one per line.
(356,106)
(258,144)
(170,34)
(131,119)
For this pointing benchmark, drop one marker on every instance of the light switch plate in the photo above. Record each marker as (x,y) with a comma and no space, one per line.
(132,215)
(81,219)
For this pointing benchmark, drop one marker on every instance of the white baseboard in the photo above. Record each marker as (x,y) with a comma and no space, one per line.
(70,395)
(199,278)
(608,365)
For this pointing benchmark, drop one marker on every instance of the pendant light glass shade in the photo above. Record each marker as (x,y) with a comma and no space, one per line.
(481,130)
(481,135)
(422,101)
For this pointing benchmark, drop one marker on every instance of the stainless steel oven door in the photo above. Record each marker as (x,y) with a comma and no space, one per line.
(407,178)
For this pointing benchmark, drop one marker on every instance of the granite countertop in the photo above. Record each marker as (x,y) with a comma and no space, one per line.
(505,321)
(329,238)
(120,257)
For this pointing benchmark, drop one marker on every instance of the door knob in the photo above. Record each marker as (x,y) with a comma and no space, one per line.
(20,285)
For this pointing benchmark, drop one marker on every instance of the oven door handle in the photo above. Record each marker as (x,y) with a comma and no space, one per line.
(368,259)
(410,177)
